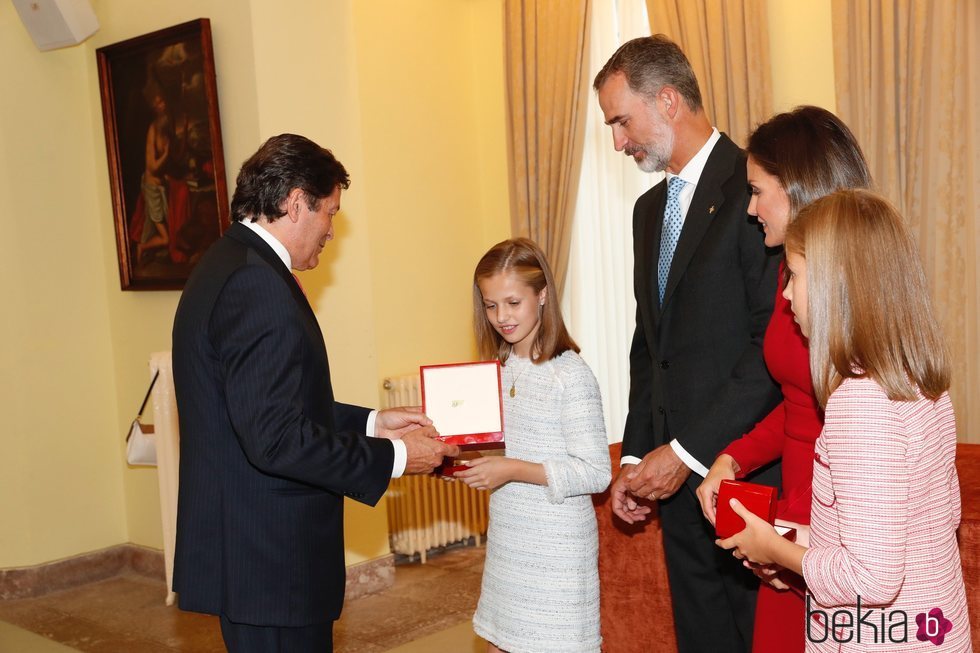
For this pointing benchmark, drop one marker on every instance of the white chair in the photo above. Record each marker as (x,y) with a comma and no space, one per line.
(167,430)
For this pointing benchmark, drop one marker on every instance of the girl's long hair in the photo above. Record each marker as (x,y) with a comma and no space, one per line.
(524,258)
(868,300)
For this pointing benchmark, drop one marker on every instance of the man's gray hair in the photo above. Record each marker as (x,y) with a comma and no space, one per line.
(650,63)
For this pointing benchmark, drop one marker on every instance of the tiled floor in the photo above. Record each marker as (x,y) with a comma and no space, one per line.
(428,609)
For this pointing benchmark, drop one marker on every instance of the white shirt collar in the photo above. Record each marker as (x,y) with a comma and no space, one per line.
(271,241)
(691,173)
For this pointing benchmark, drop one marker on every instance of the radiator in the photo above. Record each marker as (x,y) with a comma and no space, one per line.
(425,512)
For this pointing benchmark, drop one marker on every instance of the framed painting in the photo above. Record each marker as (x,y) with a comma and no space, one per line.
(163,140)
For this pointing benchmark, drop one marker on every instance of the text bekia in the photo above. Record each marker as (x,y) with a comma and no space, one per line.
(874,625)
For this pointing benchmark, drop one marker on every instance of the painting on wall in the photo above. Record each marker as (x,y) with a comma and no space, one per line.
(163,140)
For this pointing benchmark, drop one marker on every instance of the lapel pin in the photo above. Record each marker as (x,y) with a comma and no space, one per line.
(711,209)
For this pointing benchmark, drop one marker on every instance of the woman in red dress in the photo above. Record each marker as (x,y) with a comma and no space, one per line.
(793,159)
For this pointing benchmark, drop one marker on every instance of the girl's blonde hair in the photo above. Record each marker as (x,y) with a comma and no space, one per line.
(524,258)
(868,300)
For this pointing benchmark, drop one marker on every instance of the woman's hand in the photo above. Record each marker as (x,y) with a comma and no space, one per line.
(488,473)
(724,468)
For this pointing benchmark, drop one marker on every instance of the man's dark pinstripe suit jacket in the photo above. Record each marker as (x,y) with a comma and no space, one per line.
(266,455)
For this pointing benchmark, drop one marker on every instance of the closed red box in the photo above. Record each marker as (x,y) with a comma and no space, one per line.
(759,499)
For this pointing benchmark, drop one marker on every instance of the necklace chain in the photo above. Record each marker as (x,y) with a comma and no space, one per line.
(516,377)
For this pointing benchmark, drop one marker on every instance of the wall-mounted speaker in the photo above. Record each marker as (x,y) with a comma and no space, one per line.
(57,23)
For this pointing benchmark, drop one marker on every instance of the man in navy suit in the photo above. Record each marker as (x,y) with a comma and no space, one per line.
(705,287)
(267,456)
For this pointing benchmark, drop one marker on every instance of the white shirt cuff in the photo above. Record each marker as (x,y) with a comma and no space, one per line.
(401,458)
(401,451)
(630,460)
(688,459)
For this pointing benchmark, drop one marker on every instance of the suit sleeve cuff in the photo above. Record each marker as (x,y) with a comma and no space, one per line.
(401,451)
(688,459)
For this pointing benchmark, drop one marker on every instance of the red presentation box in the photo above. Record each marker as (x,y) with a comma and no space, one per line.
(465,403)
(760,499)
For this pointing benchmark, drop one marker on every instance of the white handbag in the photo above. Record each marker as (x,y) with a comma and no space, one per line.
(141,448)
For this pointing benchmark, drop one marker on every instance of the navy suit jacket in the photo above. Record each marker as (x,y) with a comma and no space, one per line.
(696,367)
(266,455)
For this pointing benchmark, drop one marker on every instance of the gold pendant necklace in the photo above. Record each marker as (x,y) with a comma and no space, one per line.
(514,380)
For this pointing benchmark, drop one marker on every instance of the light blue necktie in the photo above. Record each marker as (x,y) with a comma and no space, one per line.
(671,232)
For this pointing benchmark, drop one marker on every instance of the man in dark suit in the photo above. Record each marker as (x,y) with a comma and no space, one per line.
(267,456)
(704,287)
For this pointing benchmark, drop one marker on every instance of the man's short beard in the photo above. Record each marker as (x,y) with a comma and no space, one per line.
(653,161)
(657,154)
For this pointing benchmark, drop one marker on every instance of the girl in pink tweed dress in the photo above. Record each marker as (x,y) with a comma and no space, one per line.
(882,566)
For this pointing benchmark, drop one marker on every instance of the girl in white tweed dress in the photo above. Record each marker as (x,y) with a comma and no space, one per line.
(540,589)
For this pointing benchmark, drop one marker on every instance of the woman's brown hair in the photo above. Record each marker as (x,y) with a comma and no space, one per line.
(868,299)
(811,152)
(524,258)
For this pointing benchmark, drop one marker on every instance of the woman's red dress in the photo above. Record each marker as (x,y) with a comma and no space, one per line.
(788,433)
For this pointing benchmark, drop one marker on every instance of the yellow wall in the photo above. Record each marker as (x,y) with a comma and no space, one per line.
(369,80)
(60,490)
(140,322)
(801,47)
(409,95)
(434,137)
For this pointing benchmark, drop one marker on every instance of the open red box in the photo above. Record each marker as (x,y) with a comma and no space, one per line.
(465,403)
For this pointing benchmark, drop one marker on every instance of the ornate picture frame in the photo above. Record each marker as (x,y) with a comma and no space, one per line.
(163,142)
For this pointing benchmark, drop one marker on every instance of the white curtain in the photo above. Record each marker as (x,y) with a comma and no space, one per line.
(598,301)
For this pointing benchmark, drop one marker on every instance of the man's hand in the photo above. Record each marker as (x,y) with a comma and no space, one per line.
(425,450)
(623,505)
(659,475)
(725,468)
(393,423)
